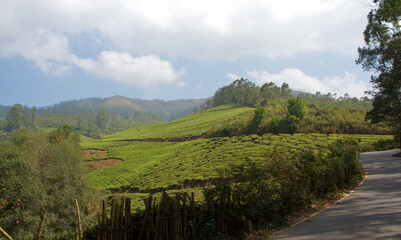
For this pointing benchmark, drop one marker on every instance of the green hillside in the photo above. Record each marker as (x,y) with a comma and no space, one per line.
(149,165)
(173,156)
(193,125)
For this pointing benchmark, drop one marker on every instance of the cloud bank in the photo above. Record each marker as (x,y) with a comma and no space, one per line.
(136,33)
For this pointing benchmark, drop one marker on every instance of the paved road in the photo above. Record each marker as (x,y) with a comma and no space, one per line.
(373,211)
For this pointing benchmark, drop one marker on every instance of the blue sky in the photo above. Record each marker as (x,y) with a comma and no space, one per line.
(52,51)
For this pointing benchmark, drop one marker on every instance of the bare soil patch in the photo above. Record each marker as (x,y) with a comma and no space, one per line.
(95,152)
(104,163)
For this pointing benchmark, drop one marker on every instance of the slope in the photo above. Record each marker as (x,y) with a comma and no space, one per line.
(191,126)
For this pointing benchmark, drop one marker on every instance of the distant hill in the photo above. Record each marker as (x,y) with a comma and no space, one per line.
(169,110)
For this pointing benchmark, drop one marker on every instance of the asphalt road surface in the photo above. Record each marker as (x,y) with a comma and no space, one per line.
(372,211)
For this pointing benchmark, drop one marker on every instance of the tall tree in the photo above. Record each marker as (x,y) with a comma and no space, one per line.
(103,119)
(382,54)
(14,118)
(296,107)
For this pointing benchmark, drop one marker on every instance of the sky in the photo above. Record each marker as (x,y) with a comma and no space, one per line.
(52,51)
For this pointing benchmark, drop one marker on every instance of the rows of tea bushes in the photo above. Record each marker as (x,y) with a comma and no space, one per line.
(260,193)
(190,126)
(156,166)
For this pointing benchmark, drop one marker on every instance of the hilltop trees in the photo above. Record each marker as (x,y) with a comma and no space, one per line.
(244,92)
(19,117)
(382,54)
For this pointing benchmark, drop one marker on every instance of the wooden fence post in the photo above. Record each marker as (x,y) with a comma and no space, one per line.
(127,219)
(175,204)
(185,215)
(112,218)
(104,220)
(193,218)
(79,220)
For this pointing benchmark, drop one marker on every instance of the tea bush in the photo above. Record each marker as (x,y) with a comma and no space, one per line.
(287,181)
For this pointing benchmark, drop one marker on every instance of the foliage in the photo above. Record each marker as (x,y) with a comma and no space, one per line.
(19,117)
(241,91)
(284,182)
(244,92)
(381,54)
(259,115)
(296,108)
(42,171)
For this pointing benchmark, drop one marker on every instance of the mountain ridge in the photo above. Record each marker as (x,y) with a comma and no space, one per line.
(124,106)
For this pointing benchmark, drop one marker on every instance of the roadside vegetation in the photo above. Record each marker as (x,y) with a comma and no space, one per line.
(43,172)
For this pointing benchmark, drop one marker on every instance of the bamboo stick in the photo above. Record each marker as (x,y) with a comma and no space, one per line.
(5,234)
(79,220)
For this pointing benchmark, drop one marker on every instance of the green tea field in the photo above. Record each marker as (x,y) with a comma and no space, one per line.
(151,165)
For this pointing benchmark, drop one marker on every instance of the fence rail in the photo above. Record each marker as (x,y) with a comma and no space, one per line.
(175,217)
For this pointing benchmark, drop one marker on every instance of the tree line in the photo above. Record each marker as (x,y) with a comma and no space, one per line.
(90,123)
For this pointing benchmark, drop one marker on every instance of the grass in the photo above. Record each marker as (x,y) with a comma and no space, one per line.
(193,125)
(86,139)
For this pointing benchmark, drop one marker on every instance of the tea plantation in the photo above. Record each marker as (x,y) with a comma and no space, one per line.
(172,156)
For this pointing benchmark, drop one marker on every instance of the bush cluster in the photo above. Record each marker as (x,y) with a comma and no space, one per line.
(271,190)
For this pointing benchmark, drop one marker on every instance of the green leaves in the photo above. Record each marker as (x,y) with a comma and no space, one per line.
(382,54)
(296,108)
(43,170)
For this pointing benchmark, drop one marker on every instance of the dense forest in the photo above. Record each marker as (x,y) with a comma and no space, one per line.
(90,123)
(94,117)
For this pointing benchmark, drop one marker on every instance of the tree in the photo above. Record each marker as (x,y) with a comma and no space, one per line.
(241,91)
(259,115)
(285,90)
(14,118)
(296,107)
(103,119)
(382,54)
(43,171)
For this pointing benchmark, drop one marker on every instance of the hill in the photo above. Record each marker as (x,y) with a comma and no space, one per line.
(169,110)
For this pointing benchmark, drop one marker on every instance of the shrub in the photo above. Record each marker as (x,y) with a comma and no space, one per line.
(286,182)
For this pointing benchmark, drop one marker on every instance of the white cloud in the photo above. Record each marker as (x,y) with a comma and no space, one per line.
(144,71)
(298,80)
(49,50)
(224,29)
(232,76)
